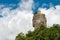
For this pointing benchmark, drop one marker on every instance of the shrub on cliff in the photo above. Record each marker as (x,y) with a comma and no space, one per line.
(41,33)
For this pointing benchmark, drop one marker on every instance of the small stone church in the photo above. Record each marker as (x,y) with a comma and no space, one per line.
(39,19)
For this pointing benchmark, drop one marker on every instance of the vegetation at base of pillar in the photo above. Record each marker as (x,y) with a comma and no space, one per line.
(41,33)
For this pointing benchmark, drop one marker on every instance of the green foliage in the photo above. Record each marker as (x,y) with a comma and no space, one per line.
(35,13)
(41,33)
(20,37)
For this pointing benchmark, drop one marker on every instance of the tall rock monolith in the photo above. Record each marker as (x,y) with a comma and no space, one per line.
(38,19)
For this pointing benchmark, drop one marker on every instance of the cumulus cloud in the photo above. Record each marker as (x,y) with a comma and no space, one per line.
(16,21)
(52,15)
(26,4)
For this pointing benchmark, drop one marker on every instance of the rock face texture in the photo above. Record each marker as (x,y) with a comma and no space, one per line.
(39,19)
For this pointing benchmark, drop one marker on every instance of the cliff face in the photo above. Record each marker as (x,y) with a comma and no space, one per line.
(39,19)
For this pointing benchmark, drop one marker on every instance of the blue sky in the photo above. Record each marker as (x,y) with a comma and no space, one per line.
(5,2)
(40,3)
(37,3)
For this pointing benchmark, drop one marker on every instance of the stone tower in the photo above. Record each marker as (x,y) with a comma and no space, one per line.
(39,19)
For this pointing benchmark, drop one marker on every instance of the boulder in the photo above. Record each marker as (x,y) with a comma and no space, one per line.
(39,19)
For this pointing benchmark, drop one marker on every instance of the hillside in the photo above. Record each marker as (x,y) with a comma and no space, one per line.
(41,33)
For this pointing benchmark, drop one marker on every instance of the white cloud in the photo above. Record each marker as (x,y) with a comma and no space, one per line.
(52,15)
(26,4)
(16,21)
